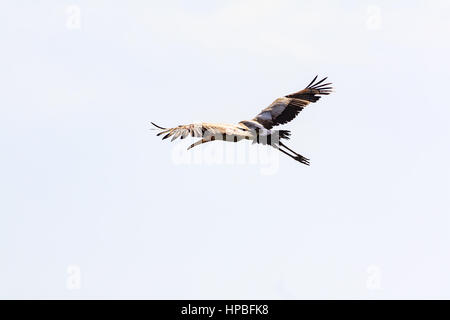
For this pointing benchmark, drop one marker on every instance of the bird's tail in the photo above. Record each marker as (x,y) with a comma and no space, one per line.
(284,134)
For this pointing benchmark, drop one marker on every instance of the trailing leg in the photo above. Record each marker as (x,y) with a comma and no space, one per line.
(296,157)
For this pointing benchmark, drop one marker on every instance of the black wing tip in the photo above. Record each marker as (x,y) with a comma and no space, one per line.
(324,88)
(159,127)
(314,89)
(166,136)
(312,81)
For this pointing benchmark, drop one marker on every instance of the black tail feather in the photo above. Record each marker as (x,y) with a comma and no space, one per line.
(284,134)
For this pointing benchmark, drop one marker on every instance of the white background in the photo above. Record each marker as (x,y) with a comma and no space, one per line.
(93,205)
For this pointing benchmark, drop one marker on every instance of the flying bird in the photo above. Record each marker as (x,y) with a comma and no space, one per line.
(259,129)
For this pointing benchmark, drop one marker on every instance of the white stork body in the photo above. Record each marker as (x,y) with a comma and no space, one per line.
(259,129)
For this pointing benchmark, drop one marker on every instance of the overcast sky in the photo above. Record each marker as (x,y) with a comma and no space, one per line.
(93,205)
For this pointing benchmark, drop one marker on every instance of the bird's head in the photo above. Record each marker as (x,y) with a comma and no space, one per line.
(247,129)
(254,128)
(251,125)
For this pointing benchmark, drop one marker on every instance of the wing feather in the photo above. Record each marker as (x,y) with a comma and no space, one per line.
(195,130)
(285,109)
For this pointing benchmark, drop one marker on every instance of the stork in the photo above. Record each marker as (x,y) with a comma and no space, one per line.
(259,129)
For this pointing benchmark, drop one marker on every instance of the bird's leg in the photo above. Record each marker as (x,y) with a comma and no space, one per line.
(300,158)
(199,142)
(286,153)
(297,156)
(283,145)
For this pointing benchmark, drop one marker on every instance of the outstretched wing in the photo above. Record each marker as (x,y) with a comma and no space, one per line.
(285,109)
(195,130)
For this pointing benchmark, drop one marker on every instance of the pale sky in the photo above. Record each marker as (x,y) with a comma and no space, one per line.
(95,206)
